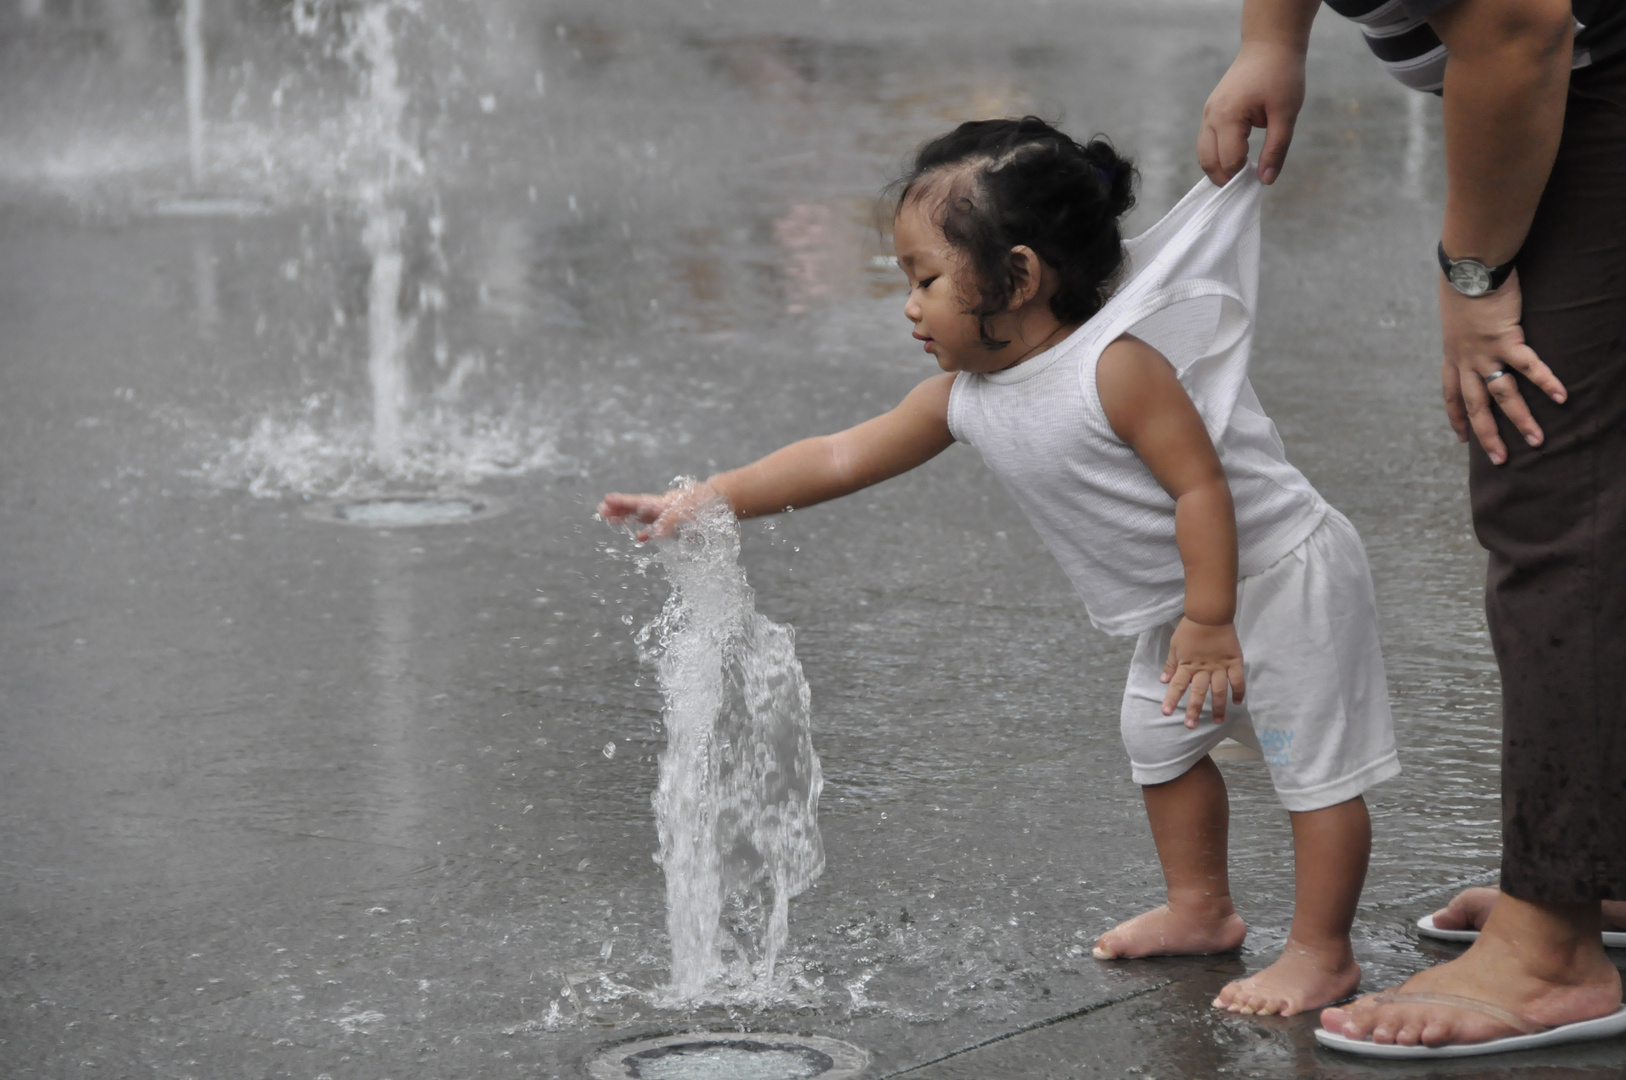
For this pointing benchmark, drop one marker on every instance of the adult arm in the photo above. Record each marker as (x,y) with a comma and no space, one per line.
(1264,88)
(812,470)
(1506,81)
(1149,409)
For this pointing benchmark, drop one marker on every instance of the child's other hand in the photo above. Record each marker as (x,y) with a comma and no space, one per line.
(664,513)
(1204,659)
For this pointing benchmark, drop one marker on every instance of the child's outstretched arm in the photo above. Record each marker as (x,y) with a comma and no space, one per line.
(1148,409)
(811,471)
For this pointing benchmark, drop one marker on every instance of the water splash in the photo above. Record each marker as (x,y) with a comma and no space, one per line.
(316,453)
(737,803)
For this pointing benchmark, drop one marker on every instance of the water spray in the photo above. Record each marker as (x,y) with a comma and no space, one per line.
(737,803)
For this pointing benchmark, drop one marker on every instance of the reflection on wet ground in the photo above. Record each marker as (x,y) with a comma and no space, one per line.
(281,798)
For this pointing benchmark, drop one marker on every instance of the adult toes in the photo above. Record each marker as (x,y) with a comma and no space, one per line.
(1436,1032)
(1360,1018)
(1411,1031)
(1336,1021)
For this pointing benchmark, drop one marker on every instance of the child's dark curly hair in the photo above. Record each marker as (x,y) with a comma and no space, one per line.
(1003,183)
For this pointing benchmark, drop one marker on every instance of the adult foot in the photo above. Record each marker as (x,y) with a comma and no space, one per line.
(1166,931)
(1542,965)
(1469,909)
(1300,979)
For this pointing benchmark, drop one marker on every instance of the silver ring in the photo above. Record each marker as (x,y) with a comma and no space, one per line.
(1497,374)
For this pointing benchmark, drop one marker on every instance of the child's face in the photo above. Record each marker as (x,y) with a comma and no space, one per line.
(940,294)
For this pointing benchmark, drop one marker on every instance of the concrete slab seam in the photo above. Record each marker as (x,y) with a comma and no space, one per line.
(1035,1026)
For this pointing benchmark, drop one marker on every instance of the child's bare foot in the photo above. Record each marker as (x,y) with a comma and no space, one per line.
(1300,979)
(1165,931)
(1469,909)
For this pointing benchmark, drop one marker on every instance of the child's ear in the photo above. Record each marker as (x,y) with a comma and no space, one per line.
(1026,275)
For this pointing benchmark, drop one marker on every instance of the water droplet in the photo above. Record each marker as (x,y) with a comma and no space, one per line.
(609,749)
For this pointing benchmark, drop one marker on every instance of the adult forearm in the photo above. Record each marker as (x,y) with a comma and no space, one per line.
(1205,530)
(1505,88)
(1279,23)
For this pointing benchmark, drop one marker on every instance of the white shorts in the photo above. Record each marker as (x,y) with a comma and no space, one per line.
(1317,704)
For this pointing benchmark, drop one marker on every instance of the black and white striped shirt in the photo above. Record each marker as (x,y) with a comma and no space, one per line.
(1398,34)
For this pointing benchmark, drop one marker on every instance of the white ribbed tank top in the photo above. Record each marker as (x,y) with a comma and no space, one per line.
(1189,291)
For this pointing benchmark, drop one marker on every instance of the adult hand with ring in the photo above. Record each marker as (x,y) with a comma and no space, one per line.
(1483,339)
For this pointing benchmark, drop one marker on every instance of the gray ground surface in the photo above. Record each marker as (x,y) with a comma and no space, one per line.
(280,797)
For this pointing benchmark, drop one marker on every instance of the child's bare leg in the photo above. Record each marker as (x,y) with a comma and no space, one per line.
(1190,817)
(1317,966)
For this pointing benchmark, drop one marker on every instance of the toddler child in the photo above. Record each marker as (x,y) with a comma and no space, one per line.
(1106,386)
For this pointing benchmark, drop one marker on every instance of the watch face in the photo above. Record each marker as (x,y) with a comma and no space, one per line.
(1470,278)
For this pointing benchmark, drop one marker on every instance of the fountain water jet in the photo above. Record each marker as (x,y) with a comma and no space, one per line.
(196,82)
(388,335)
(737,803)
(383,112)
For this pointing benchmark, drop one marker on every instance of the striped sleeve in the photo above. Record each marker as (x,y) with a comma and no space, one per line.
(1401,40)
(1398,34)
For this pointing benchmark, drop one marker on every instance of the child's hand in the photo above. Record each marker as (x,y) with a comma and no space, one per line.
(1203,658)
(666,513)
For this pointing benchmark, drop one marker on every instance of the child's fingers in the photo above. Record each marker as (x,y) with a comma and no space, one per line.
(1179,679)
(1239,681)
(617,507)
(1199,694)
(1219,688)
(665,525)
(1170,666)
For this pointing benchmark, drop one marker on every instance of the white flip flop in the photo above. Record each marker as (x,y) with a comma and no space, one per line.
(1531,1037)
(1612,939)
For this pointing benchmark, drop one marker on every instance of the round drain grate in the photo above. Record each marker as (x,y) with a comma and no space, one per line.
(730,1056)
(406,511)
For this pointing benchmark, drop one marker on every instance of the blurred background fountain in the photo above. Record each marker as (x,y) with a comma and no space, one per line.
(302,110)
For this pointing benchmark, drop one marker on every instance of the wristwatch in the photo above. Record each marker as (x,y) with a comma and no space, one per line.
(1470,277)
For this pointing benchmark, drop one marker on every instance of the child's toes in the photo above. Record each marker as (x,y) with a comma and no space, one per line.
(1235,998)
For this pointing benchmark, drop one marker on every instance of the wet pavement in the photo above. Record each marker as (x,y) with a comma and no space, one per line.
(281,796)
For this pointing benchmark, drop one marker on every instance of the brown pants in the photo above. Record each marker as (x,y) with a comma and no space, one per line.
(1554,521)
